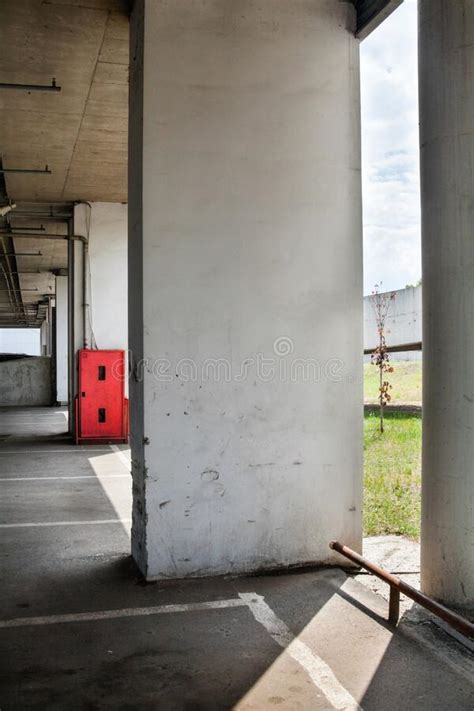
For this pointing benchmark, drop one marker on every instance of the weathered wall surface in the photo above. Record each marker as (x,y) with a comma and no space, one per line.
(25,382)
(404,320)
(252,255)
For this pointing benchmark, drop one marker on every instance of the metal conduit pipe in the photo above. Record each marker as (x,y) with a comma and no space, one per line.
(12,294)
(14,306)
(85,282)
(49,215)
(85,260)
(45,235)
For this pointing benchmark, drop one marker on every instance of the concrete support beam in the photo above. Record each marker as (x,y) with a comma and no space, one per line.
(371,14)
(446,73)
(245,273)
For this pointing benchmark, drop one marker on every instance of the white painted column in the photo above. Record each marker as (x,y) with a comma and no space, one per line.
(446,62)
(44,337)
(108,241)
(61,340)
(245,284)
(104,226)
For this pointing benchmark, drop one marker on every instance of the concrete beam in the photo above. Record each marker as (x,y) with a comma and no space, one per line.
(371,14)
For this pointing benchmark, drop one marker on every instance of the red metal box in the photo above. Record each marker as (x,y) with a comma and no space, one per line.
(101,405)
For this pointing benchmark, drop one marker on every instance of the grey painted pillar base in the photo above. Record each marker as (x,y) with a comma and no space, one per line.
(446,71)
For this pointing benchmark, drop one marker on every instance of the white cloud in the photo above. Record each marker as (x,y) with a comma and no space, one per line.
(390,160)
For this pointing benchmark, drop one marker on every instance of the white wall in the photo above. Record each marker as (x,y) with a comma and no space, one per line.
(108,274)
(61,339)
(105,225)
(249,153)
(20,340)
(403,324)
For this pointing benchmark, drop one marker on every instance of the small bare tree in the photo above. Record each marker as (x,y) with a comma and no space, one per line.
(381,302)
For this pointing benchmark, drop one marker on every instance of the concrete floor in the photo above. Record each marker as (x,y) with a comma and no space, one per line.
(308,640)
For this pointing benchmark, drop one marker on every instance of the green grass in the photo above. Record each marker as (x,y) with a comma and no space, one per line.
(405,381)
(392,475)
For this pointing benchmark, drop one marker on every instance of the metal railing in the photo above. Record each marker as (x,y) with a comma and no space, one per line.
(398,586)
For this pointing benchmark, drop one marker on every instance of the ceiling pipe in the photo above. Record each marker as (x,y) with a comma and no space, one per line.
(15,289)
(85,261)
(11,282)
(26,170)
(45,235)
(44,216)
(32,87)
(8,230)
(13,306)
(22,254)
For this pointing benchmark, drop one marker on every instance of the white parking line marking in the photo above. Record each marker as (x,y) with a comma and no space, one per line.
(65,478)
(117,614)
(66,523)
(73,450)
(121,455)
(319,672)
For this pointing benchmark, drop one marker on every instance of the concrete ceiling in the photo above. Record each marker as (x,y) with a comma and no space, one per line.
(81,131)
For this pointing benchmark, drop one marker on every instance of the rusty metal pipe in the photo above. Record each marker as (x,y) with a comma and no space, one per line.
(456,621)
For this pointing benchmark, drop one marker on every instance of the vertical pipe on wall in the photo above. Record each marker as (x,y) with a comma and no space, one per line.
(85,292)
(70,330)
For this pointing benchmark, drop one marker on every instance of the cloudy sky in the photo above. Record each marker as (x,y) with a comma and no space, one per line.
(390,152)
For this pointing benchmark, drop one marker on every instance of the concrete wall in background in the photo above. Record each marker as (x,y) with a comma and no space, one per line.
(61,340)
(20,340)
(249,134)
(26,382)
(403,324)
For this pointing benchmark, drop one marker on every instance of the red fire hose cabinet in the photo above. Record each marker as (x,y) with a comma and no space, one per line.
(101,405)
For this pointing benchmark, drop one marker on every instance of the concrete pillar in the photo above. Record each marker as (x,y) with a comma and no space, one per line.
(245,274)
(61,339)
(44,337)
(446,69)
